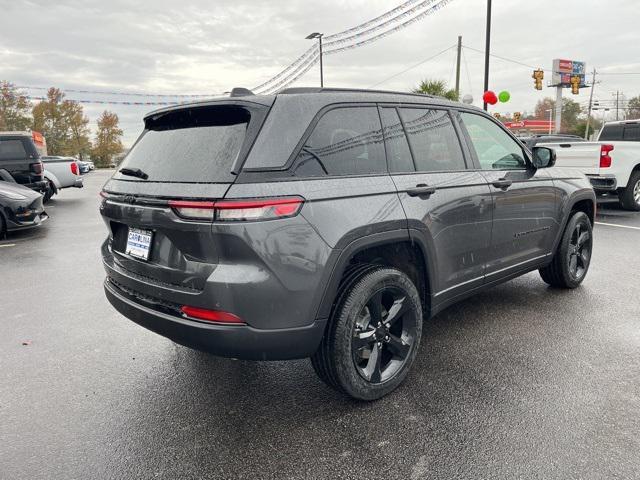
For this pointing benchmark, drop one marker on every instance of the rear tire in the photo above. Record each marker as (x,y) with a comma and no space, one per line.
(570,263)
(3,228)
(373,334)
(630,196)
(51,190)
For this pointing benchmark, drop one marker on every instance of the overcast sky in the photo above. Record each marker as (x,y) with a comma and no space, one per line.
(164,46)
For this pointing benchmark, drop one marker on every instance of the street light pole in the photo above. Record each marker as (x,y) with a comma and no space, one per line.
(319,37)
(487,50)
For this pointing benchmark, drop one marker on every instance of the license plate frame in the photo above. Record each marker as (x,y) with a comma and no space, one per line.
(139,243)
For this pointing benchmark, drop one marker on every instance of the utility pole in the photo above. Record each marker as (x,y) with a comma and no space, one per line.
(617,101)
(558,108)
(458,66)
(593,86)
(487,50)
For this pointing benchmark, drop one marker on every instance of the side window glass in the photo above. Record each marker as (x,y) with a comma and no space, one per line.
(398,152)
(495,149)
(346,141)
(433,140)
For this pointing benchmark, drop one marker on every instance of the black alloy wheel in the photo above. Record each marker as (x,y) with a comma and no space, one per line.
(384,334)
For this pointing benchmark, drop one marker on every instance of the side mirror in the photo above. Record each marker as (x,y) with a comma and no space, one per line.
(544,157)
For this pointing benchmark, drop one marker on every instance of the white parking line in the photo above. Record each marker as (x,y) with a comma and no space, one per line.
(8,245)
(616,225)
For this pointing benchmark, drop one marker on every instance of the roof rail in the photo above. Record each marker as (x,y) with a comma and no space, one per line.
(294,90)
(240,92)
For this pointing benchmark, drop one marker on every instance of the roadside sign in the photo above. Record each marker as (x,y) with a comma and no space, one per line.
(563,70)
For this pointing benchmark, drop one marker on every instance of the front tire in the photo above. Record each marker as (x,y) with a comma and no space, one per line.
(570,264)
(373,335)
(630,196)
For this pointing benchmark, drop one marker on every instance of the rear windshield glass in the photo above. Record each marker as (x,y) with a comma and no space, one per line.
(12,149)
(612,132)
(191,145)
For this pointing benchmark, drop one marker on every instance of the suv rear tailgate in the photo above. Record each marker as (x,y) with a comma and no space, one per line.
(187,153)
(583,156)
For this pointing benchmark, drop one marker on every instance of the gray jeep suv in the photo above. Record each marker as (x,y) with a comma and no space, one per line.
(329,224)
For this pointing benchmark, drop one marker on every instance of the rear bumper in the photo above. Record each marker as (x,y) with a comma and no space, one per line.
(242,342)
(37,186)
(603,183)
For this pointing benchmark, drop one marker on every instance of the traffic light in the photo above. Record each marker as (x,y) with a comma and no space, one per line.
(575,84)
(517,116)
(538,76)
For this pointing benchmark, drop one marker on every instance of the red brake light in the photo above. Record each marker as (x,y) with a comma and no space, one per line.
(215,316)
(605,158)
(36,168)
(238,210)
(74,168)
(193,210)
(264,209)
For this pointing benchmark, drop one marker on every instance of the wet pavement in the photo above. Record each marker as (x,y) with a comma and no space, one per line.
(521,381)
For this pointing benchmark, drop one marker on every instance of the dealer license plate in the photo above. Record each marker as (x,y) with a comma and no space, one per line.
(139,243)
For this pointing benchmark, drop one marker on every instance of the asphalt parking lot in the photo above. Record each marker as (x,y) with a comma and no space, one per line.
(519,382)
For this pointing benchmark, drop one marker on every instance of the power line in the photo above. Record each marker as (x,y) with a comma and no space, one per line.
(413,66)
(506,59)
(125,94)
(307,59)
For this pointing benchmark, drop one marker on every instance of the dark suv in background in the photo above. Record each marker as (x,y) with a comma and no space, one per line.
(329,223)
(20,161)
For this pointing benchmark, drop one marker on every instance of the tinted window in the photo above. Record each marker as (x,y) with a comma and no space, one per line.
(433,140)
(494,148)
(191,145)
(612,132)
(632,133)
(346,141)
(398,153)
(12,149)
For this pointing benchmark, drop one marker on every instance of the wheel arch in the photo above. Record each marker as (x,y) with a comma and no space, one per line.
(391,248)
(53,179)
(583,201)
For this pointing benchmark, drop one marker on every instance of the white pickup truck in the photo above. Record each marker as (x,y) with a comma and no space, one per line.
(612,163)
(59,173)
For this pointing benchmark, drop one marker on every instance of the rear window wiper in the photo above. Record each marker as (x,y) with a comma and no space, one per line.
(134,172)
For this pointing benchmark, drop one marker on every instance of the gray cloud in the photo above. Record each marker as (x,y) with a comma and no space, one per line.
(205,47)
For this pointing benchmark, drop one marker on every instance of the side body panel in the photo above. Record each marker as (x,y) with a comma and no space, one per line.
(455,223)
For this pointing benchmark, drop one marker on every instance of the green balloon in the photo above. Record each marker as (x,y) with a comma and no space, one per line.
(504,96)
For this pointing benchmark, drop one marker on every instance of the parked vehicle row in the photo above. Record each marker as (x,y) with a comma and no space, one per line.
(612,162)
(329,223)
(29,178)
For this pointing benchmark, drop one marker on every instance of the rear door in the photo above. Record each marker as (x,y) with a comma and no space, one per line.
(447,204)
(187,154)
(524,199)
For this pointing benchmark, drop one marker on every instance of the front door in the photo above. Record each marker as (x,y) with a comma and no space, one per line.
(524,200)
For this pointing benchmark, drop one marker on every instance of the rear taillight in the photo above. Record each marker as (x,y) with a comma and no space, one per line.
(215,316)
(193,210)
(36,168)
(267,209)
(74,168)
(605,158)
(238,210)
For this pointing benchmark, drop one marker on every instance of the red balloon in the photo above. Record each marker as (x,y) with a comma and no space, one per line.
(490,97)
